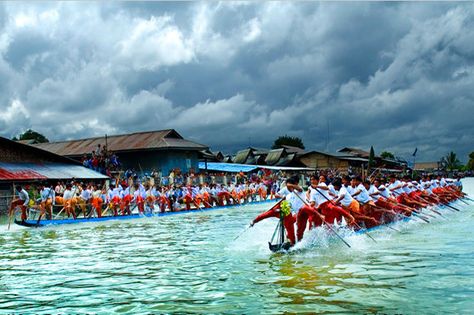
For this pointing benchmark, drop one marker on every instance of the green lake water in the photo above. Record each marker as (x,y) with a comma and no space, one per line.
(190,263)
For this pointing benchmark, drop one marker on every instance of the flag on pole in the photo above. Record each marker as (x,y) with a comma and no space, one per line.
(416,150)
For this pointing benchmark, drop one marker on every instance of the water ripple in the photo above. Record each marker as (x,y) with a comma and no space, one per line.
(191,264)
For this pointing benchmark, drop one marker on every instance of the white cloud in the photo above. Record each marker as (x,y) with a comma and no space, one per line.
(14,117)
(14,111)
(227,112)
(252,30)
(155,42)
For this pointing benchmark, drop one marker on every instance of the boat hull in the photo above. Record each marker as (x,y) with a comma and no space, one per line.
(42,223)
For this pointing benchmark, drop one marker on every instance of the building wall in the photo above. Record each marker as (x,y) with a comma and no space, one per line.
(426,166)
(10,154)
(322,161)
(6,193)
(163,161)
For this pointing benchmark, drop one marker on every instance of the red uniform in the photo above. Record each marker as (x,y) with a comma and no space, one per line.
(288,221)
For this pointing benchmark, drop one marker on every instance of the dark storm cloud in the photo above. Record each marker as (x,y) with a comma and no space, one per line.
(24,45)
(392,75)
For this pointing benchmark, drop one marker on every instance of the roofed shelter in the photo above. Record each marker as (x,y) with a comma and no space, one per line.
(21,163)
(427,166)
(323,160)
(281,157)
(355,152)
(160,150)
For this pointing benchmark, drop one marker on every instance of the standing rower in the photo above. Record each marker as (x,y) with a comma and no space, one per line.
(288,220)
(47,200)
(22,201)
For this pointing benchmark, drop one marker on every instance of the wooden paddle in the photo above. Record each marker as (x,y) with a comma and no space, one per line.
(60,211)
(12,211)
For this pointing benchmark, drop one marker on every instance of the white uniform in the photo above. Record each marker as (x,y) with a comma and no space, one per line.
(351,190)
(47,193)
(332,190)
(85,195)
(393,185)
(363,197)
(283,192)
(295,202)
(125,192)
(384,191)
(406,188)
(442,182)
(23,195)
(373,190)
(318,195)
(346,196)
(68,194)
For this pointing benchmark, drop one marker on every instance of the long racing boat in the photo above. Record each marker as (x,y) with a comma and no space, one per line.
(42,223)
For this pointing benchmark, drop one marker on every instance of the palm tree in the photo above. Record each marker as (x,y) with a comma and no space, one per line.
(450,162)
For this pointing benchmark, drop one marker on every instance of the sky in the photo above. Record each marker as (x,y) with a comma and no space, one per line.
(395,76)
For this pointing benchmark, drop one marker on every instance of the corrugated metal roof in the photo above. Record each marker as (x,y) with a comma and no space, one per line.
(275,155)
(292,149)
(259,151)
(35,171)
(355,151)
(338,155)
(286,160)
(242,156)
(14,152)
(150,140)
(28,141)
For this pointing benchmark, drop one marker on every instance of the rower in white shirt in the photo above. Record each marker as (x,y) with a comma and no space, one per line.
(21,201)
(69,201)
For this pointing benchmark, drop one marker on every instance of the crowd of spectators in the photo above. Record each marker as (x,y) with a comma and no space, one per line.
(101,160)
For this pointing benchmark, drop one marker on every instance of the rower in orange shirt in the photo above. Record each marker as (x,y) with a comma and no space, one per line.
(97,201)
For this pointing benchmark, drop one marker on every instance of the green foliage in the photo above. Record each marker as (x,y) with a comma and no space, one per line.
(387,155)
(287,140)
(470,163)
(32,135)
(451,162)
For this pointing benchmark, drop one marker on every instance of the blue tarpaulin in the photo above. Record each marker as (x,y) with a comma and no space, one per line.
(227,167)
(235,168)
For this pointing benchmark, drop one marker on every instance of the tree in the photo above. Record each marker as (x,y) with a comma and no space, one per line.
(371,158)
(470,163)
(451,162)
(287,140)
(387,155)
(32,135)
